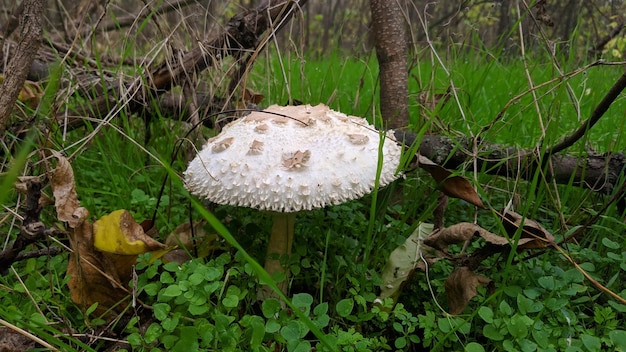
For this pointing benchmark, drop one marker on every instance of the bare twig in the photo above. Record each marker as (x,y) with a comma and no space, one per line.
(32,228)
(44,252)
(241,34)
(601,171)
(602,107)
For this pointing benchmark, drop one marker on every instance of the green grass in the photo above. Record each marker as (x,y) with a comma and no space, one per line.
(484,89)
(340,251)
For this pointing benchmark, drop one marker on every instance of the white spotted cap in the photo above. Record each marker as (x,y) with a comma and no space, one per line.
(292,158)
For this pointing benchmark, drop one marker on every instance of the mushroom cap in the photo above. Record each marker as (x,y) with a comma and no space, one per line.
(292,158)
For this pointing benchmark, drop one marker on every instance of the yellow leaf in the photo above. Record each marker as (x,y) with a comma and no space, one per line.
(119,233)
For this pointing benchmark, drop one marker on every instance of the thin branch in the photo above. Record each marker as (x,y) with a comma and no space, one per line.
(32,228)
(602,107)
(241,34)
(598,172)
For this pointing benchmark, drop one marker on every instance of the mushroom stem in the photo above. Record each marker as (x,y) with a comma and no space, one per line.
(281,240)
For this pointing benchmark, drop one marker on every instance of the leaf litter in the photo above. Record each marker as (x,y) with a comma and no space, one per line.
(427,245)
(102,254)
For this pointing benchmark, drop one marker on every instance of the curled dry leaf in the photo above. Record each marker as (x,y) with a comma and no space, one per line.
(64,191)
(96,276)
(461,288)
(502,241)
(30,94)
(533,234)
(250,96)
(119,233)
(464,231)
(93,277)
(451,185)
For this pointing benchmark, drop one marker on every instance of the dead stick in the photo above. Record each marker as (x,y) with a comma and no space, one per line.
(31,230)
(602,107)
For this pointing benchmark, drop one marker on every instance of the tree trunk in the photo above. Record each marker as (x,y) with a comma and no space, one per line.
(19,65)
(391,51)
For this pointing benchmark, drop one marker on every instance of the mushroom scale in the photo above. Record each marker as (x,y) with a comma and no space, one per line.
(292,158)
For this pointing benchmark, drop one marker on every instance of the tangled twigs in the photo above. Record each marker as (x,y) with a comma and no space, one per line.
(31,231)
(602,107)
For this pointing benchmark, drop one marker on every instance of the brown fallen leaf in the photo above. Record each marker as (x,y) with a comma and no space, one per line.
(457,233)
(502,241)
(451,185)
(64,191)
(30,94)
(461,288)
(96,276)
(531,229)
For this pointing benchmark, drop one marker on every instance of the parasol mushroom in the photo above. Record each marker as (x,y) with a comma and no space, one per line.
(288,159)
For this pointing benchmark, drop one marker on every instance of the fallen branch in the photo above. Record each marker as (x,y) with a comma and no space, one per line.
(602,107)
(598,172)
(32,228)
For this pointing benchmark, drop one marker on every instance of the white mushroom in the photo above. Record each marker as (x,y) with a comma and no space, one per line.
(292,158)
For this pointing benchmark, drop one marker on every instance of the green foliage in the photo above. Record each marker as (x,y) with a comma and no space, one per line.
(202,306)
(539,304)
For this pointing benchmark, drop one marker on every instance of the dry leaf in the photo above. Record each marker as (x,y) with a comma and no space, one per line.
(494,239)
(461,288)
(64,191)
(179,256)
(538,235)
(502,241)
(30,94)
(96,276)
(119,233)
(452,186)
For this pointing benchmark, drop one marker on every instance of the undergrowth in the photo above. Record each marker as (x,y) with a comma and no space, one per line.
(540,302)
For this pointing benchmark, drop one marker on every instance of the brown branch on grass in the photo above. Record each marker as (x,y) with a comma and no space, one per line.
(598,172)
(43,252)
(602,107)
(19,65)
